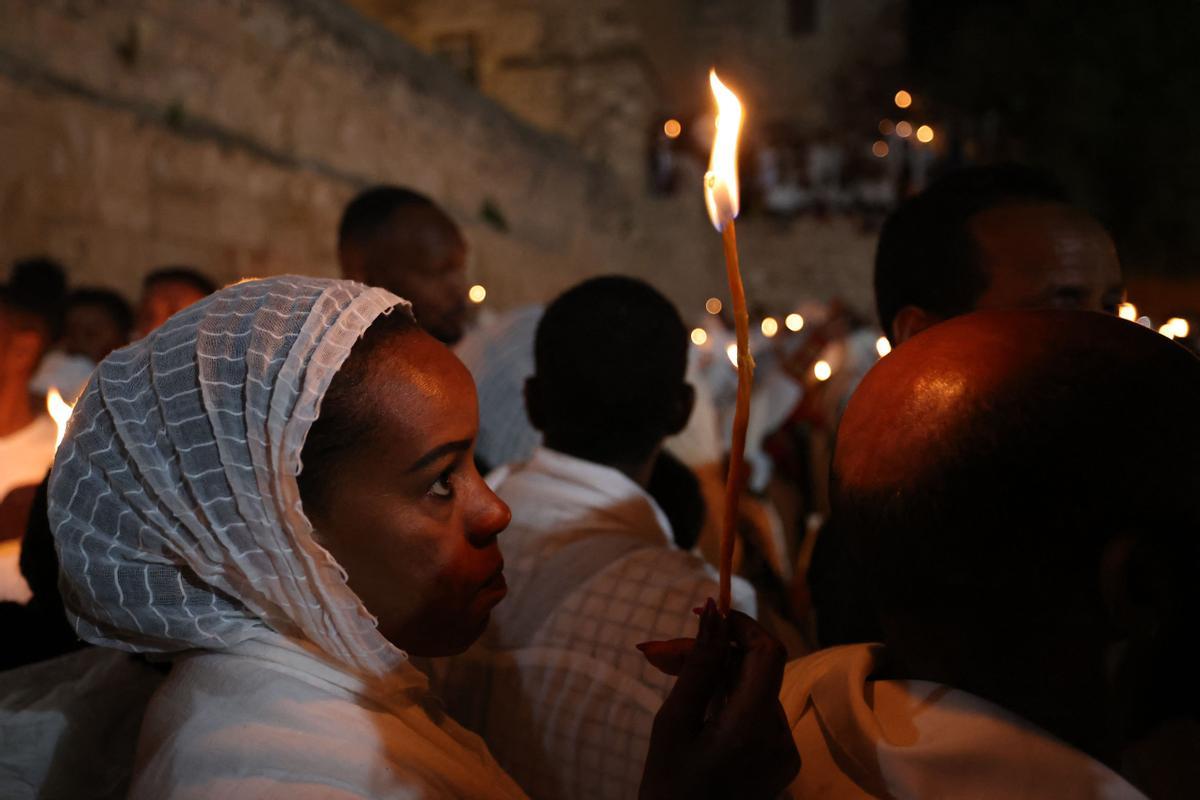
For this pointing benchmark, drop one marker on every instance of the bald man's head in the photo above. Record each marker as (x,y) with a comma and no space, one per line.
(1022,490)
(1001,440)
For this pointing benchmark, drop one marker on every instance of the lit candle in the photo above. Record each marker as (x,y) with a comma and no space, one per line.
(721,199)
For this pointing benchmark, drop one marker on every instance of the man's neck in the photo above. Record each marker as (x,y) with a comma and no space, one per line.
(637,470)
(16,407)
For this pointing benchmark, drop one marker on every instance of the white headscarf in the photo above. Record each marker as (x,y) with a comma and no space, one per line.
(173,498)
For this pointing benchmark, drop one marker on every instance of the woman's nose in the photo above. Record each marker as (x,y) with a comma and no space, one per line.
(491,516)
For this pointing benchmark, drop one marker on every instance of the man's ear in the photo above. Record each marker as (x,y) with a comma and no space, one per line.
(909,321)
(682,412)
(533,403)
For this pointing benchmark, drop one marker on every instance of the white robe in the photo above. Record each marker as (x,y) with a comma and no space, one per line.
(859,737)
(270,719)
(556,686)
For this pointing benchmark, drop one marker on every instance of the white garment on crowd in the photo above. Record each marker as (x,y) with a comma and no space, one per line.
(90,700)
(556,686)
(325,733)
(860,737)
(179,527)
(25,458)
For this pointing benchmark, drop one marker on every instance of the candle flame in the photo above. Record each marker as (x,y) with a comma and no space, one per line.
(60,410)
(1175,328)
(721,180)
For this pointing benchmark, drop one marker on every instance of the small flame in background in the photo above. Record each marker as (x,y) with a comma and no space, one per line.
(721,180)
(60,410)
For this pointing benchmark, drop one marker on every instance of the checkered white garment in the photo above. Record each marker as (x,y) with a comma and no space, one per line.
(173,498)
(556,686)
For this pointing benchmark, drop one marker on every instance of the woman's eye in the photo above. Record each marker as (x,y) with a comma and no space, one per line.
(441,487)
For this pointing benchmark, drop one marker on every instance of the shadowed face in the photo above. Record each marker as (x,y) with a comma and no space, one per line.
(162,300)
(420,256)
(1046,256)
(407,514)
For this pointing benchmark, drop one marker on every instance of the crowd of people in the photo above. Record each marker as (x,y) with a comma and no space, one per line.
(309,537)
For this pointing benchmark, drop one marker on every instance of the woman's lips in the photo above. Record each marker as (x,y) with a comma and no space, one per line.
(496,585)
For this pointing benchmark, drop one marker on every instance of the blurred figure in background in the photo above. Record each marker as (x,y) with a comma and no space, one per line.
(991,237)
(96,322)
(555,686)
(400,240)
(167,290)
(27,433)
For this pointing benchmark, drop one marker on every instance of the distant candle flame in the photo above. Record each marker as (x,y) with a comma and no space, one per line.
(1175,328)
(721,180)
(477,293)
(699,336)
(770,327)
(1127,311)
(883,346)
(794,322)
(60,411)
(822,371)
(731,353)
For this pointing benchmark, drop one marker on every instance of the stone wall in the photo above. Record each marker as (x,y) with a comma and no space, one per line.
(228,135)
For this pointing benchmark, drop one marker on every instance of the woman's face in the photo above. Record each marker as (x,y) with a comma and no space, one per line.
(407,514)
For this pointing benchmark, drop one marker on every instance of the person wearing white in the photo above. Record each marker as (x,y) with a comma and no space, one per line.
(177,514)
(556,686)
(864,737)
(27,433)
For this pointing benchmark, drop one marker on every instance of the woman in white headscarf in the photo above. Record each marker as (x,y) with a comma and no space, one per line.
(178,517)
(289,564)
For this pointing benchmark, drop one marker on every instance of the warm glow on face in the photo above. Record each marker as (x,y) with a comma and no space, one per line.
(731,353)
(713,305)
(477,293)
(721,180)
(903,99)
(886,127)
(794,322)
(904,129)
(1127,311)
(60,412)
(1175,328)
(672,128)
(925,134)
(880,149)
(822,370)
(770,327)
(699,336)
(883,346)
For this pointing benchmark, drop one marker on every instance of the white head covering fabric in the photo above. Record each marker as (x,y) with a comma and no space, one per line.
(173,498)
